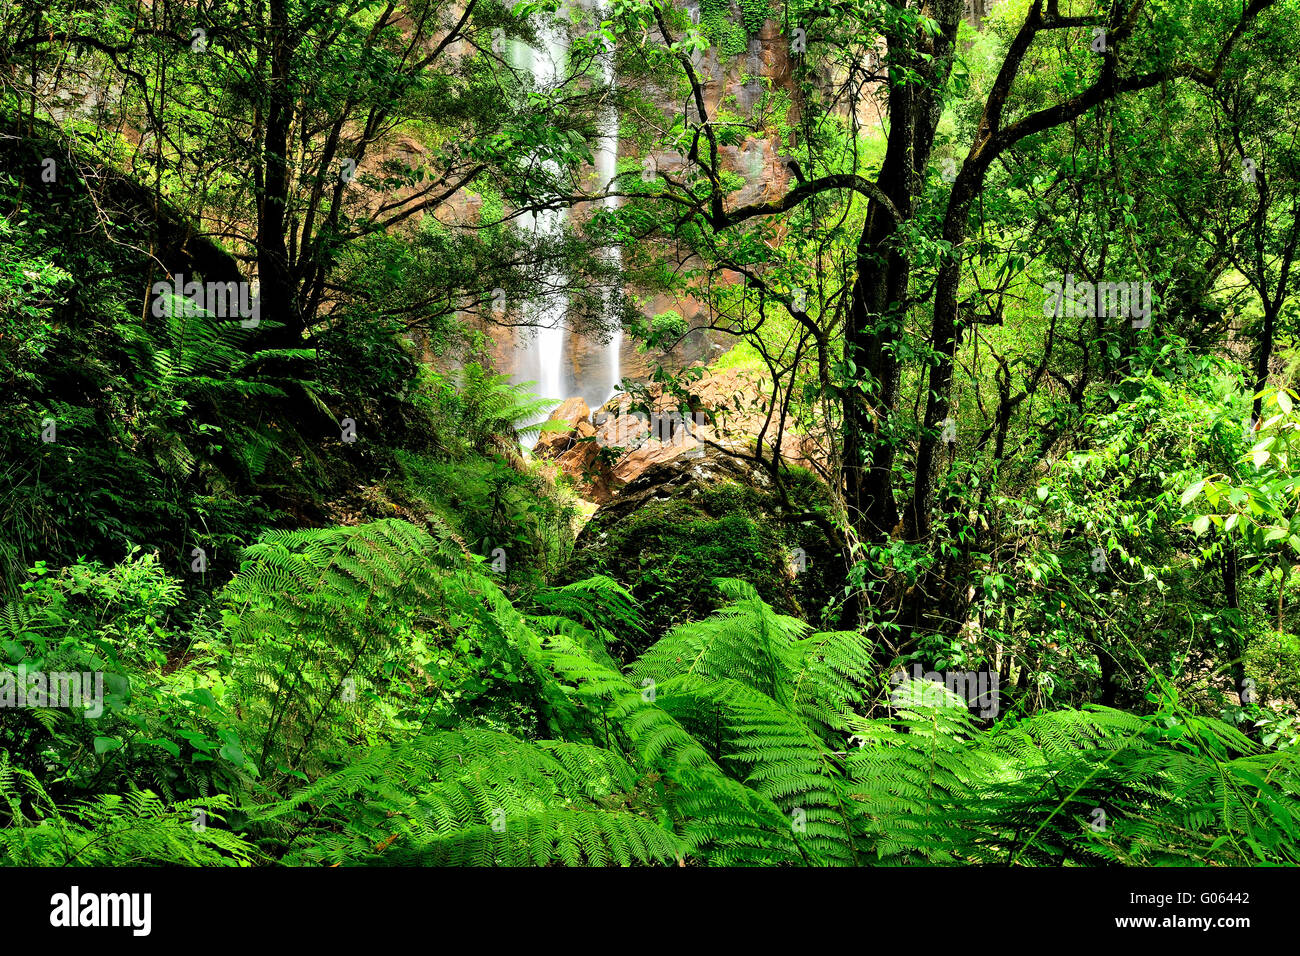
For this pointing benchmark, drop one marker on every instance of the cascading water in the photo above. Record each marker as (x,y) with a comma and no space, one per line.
(543,346)
(541,351)
(606,168)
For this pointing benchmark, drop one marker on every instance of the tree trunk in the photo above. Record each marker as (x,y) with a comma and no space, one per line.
(880,292)
(278,297)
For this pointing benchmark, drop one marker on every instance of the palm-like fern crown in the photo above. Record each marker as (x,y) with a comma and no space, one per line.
(491,407)
(191,357)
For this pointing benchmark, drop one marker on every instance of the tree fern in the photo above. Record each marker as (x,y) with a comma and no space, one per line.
(734,740)
(314,614)
(487,412)
(192,358)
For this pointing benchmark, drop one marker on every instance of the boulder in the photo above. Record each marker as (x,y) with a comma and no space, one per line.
(619,429)
(688,519)
(579,460)
(576,450)
(615,446)
(632,465)
(572,412)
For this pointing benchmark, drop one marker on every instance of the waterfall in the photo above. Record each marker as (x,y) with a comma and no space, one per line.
(606,167)
(542,349)
(544,360)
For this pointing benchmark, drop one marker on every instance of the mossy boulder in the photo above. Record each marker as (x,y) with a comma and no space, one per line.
(667,535)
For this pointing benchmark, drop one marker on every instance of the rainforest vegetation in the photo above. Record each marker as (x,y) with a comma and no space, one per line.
(1001,564)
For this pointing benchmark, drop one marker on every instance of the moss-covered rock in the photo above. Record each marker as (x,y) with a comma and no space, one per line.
(684,522)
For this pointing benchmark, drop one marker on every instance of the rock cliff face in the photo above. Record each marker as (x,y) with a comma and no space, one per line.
(735,82)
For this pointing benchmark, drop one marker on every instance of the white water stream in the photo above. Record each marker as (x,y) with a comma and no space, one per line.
(544,360)
(606,167)
(542,354)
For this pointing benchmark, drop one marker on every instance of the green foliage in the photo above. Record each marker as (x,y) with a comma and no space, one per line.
(476,798)
(1262,506)
(474,480)
(1170,789)
(755,13)
(393,651)
(736,739)
(484,412)
(138,724)
(316,622)
(1272,661)
(731,38)
(943,791)
(132,829)
(198,361)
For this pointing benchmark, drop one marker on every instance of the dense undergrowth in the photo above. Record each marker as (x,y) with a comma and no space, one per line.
(321,606)
(370,695)
(379,692)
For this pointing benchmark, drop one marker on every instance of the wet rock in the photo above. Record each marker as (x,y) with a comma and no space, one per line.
(604,451)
